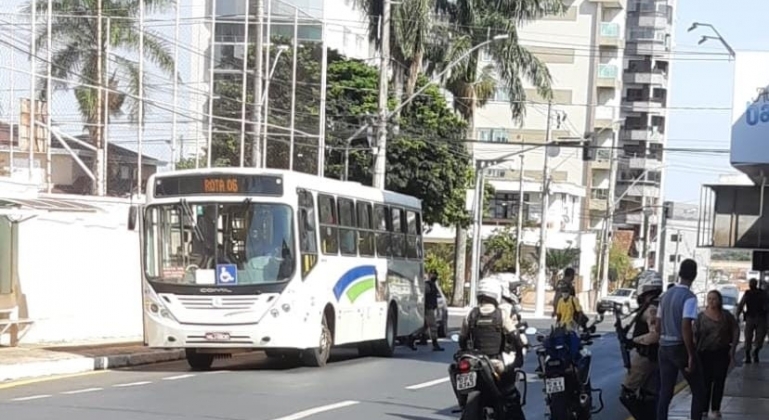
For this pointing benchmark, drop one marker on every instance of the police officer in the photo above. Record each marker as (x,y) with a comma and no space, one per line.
(639,390)
(486,329)
(514,355)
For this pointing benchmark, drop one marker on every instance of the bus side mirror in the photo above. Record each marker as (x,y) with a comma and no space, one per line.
(133,213)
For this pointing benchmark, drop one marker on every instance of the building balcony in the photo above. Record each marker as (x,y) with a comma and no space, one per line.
(638,190)
(645,77)
(611,36)
(605,117)
(602,159)
(643,163)
(653,20)
(646,105)
(635,218)
(641,134)
(612,4)
(598,204)
(608,76)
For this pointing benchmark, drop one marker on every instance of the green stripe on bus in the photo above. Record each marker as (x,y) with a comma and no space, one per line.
(359,288)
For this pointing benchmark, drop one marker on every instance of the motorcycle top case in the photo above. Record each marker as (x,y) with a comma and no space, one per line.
(569,344)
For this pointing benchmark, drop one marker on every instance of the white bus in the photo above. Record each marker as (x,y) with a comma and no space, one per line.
(239,259)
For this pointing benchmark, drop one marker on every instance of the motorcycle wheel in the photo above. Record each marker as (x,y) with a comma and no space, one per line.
(473,409)
(559,407)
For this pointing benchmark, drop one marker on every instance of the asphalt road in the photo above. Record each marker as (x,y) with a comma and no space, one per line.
(411,386)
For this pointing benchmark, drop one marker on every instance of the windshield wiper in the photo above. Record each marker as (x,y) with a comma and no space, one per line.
(187,210)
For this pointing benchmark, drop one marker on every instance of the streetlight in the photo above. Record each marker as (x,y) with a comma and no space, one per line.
(380,154)
(265,106)
(718,37)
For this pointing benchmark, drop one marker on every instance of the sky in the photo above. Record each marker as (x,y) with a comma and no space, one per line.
(707,82)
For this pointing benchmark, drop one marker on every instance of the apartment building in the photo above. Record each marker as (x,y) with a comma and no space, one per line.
(644,109)
(583,50)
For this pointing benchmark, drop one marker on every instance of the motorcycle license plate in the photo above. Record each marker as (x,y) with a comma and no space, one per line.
(466,381)
(554,385)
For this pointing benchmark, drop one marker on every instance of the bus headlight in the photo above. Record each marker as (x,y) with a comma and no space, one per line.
(274,313)
(156,307)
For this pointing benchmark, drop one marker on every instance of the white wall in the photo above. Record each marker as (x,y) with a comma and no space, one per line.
(80,274)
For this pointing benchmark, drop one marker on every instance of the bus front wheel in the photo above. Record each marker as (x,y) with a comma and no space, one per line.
(199,361)
(318,356)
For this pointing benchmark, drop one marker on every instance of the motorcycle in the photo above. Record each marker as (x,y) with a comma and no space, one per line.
(565,364)
(482,393)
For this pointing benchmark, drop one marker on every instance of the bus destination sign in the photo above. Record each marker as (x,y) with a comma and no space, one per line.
(218,184)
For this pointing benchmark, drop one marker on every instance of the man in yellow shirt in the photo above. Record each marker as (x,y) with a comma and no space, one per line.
(568,311)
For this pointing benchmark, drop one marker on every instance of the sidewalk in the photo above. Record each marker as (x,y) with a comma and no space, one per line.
(28,362)
(746,396)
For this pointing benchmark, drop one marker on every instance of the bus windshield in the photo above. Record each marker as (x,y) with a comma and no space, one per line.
(185,242)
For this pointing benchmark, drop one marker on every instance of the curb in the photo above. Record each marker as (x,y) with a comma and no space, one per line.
(32,370)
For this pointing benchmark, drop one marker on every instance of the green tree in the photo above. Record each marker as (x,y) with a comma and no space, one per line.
(620,267)
(556,260)
(471,22)
(439,258)
(431,165)
(77,49)
(499,253)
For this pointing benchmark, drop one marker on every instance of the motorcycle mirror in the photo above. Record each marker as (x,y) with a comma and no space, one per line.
(540,338)
(601,310)
(530,331)
(455,338)
(592,329)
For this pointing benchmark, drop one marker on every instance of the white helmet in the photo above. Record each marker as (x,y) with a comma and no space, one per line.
(649,281)
(489,288)
(504,288)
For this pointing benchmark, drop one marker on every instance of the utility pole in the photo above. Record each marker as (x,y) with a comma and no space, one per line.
(256,151)
(539,309)
(380,158)
(475,266)
(519,224)
(675,260)
(608,218)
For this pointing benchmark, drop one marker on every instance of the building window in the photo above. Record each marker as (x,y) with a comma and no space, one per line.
(505,206)
(500,95)
(599,193)
(497,135)
(495,173)
(674,238)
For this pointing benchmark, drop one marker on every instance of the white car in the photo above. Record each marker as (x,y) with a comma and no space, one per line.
(624,298)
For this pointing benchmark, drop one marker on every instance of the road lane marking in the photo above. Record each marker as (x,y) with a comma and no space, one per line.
(82,391)
(216,372)
(318,410)
(132,384)
(173,378)
(428,384)
(34,397)
(23,382)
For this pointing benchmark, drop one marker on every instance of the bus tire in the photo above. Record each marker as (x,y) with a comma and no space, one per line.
(199,361)
(386,346)
(318,356)
(365,349)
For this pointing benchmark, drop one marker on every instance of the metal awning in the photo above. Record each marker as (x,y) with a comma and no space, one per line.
(45,204)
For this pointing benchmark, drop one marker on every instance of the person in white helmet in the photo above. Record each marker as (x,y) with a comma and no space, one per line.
(486,328)
(514,356)
(639,389)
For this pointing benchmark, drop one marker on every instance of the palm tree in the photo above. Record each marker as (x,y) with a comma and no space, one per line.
(79,53)
(466,23)
(410,26)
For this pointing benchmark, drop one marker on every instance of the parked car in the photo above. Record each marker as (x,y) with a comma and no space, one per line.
(442,315)
(731,296)
(624,297)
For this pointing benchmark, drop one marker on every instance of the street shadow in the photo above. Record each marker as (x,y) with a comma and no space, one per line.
(341,356)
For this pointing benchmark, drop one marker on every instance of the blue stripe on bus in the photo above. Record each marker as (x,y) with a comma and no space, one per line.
(350,277)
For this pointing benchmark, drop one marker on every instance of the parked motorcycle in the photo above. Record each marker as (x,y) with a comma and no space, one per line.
(481,392)
(565,364)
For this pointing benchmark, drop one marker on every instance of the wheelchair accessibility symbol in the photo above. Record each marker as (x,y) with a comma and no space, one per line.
(226,274)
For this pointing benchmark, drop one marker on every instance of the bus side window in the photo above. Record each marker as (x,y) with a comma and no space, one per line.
(399,233)
(329,238)
(347,241)
(308,242)
(383,226)
(366,244)
(412,239)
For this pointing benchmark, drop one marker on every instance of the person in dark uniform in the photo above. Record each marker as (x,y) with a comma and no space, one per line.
(431,307)
(754,305)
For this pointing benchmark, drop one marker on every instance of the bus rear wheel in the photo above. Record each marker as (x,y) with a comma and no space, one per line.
(199,361)
(318,356)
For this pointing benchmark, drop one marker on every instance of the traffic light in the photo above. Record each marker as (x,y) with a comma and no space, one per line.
(588,152)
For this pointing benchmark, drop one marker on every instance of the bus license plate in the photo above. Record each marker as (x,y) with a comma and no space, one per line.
(554,385)
(466,381)
(218,336)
